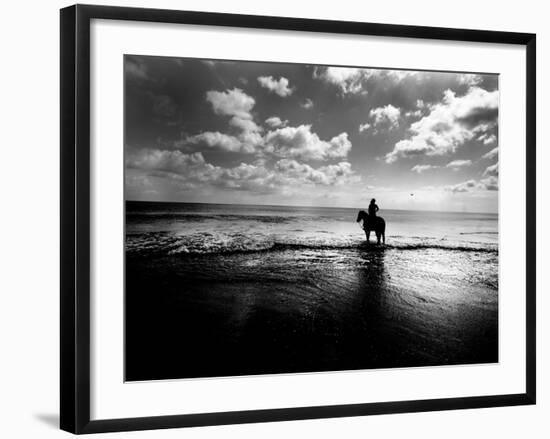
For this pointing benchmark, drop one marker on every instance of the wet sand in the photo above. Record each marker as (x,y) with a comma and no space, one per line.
(305,310)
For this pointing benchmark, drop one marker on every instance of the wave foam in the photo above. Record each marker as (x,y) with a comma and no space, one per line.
(211,244)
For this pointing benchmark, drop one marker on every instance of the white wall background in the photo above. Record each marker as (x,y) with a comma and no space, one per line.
(29,249)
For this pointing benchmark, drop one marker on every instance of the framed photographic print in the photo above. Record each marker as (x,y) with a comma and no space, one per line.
(268,218)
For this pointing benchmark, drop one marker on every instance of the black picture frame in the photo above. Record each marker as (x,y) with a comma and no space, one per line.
(75,217)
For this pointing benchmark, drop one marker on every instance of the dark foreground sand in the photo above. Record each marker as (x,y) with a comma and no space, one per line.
(309,310)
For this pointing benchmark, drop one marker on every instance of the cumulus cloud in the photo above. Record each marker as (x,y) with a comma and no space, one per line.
(396,75)
(486,184)
(163,160)
(491,154)
(386,116)
(489,184)
(420,105)
(276,122)
(307,104)
(449,124)
(470,79)
(466,186)
(277,86)
(294,142)
(191,170)
(281,141)
(233,102)
(487,139)
(325,175)
(347,79)
(244,124)
(491,170)
(364,127)
(216,140)
(416,113)
(423,168)
(238,105)
(352,80)
(457,164)
(247,142)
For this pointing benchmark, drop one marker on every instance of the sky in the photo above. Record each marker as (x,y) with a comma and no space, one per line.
(243,132)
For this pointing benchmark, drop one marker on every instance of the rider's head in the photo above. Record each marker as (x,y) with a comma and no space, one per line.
(372,201)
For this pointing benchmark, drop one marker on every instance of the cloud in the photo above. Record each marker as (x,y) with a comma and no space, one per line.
(231,103)
(238,105)
(491,170)
(450,123)
(276,122)
(486,184)
(420,105)
(491,154)
(217,140)
(307,104)
(416,113)
(277,86)
(387,116)
(457,164)
(487,139)
(243,176)
(347,79)
(364,127)
(466,186)
(163,160)
(301,142)
(396,75)
(244,124)
(247,142)
(282,141)
(489,184)
(423,168)
(191,171)
(352,80)
(470,79)
(135,68)
(325,175)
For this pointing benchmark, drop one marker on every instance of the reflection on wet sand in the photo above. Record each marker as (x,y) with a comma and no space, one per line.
(304,311)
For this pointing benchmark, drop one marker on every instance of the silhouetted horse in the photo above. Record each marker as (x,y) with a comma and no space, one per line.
(376,224)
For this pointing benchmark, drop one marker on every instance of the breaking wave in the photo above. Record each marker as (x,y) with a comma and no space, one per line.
(161,243)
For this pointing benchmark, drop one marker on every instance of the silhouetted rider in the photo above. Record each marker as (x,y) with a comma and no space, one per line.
(373,208)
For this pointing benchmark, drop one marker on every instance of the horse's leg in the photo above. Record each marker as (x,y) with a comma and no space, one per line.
(378,237)
(367,232)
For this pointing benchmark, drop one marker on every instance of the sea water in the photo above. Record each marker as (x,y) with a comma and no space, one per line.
(217,290)
(175,228)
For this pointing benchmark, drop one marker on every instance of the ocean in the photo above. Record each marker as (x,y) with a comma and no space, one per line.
(226,290)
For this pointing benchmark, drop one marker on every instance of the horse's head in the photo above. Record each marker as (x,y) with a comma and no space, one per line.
(362,215)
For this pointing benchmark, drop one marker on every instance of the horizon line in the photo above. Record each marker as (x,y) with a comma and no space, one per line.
(296,205)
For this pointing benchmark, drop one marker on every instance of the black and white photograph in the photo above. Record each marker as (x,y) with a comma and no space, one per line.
(288,218)
(266,220)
